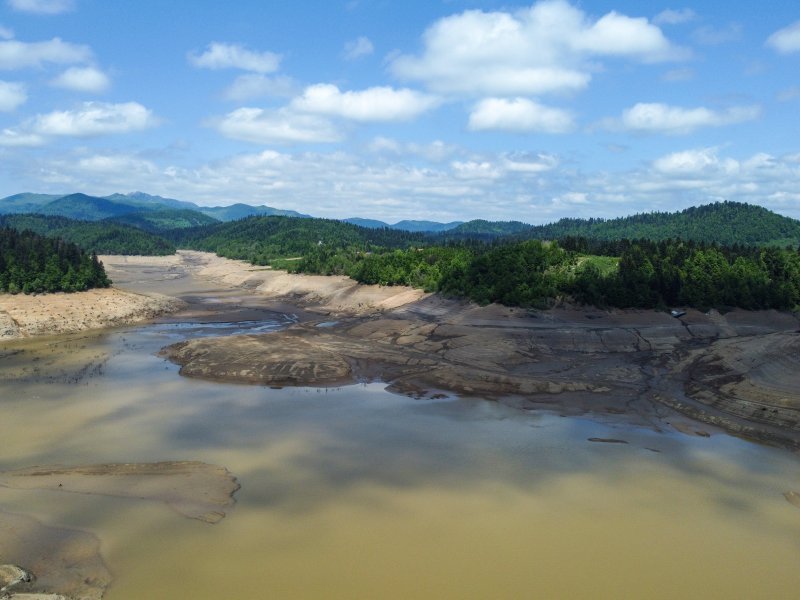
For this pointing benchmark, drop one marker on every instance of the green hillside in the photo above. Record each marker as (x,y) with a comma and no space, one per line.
(241,211)
(98,237)
(85,208)
(148,200)
(25,202)
(262,239)
(481,227)
(163,219)
(722,222)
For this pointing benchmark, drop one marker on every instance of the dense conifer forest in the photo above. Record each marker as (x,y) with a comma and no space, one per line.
(100,237)
(726,223)
(31,263)
(261,240)
(163,220)
(625,274)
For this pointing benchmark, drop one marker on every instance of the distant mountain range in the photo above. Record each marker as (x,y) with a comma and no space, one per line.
(424,226)
(721,222)
(134,206)
(95,208)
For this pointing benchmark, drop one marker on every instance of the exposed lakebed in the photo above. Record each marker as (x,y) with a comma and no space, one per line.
(355,492)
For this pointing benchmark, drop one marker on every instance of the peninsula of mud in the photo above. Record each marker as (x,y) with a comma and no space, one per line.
(735,371)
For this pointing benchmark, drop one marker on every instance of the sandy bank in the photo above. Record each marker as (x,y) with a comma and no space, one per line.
(51,314)
(337,294)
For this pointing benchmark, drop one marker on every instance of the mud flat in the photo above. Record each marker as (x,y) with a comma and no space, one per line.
(50,562)
(193,489)
(53,562)
(23,316)
(735,371)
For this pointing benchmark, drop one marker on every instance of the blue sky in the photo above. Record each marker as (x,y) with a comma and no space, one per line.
(405,110)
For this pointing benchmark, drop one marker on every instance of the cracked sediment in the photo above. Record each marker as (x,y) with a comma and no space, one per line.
(729,371)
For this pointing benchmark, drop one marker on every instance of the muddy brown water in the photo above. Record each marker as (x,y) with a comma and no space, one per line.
(358,493)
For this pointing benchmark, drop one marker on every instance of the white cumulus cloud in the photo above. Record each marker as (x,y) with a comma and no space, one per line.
(6,33)
(694,162)
(519,115)
(357,48)
(675,120)
(234,56)
(786,40)
(12,95)
(542,49)
(280,126)
(42,7)
(20,55)
(17,138)
(369,105)
(83,79)
(92,119)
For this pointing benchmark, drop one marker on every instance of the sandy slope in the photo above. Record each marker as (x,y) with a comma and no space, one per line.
(324,293)
(51,314)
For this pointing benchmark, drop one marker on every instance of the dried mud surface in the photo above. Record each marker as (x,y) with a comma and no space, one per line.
(736,371)
(194,489)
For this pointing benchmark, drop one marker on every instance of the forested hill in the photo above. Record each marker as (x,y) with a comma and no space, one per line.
(161,220)
(31,263)
(725,223)
(262,239)
(88,208)
(98,237)
(241,211)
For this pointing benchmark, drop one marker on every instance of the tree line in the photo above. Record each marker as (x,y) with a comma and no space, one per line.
(102,237)
(31,263)
(619,273)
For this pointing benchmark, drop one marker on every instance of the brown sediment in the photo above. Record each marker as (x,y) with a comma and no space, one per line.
(23,316)
(736,372)
(60,561)
(194,489)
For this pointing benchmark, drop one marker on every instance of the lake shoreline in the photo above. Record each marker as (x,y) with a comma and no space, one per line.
(614,373)
(734,372)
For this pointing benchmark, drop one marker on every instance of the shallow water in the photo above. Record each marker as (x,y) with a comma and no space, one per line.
(357,493)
